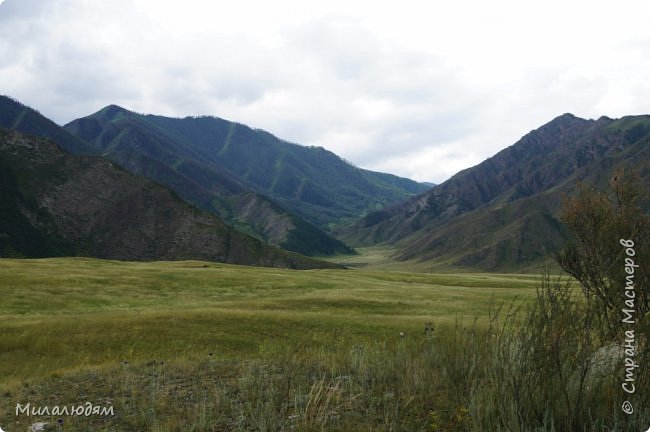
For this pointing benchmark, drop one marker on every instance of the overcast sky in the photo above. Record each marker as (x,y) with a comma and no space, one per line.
(420,89)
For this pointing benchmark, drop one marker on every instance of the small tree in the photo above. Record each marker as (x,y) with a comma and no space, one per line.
(560,368)
(539,374)
(595,257)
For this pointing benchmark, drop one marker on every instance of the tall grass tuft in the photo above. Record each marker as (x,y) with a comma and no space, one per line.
(557,370)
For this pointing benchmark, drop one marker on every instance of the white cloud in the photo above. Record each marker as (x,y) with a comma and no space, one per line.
(445,159)
(418,89)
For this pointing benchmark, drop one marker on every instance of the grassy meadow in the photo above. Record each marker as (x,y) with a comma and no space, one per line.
(212,347)
(61,314)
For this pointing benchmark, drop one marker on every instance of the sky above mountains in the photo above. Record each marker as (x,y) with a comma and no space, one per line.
(419,89)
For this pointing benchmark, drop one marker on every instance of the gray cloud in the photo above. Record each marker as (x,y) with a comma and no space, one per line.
(413,91)
(399,100)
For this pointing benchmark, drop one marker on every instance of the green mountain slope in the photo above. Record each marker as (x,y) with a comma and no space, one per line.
(195,183)
(56,204)
(227,157)
(147,150)
(503,213)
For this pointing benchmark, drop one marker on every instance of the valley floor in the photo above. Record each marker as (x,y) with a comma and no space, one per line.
(60,314)
(224,347)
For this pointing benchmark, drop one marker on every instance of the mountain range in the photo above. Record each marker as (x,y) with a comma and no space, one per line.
(285,194)
(503,214)
(264,193)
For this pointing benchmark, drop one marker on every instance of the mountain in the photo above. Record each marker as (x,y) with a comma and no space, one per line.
(16,116)
(226,159)
(262,219)
(503,213)
(57,204)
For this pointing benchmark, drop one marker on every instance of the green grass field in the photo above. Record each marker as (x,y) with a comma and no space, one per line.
(60,314)
(68,325)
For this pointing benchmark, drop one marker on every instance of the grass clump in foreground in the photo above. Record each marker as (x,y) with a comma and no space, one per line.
(367,386)
(284,363)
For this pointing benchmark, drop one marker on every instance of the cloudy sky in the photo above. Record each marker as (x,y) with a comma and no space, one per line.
(421,89)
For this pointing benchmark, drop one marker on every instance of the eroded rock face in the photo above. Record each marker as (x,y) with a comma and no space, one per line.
(83,205)
(502,214)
